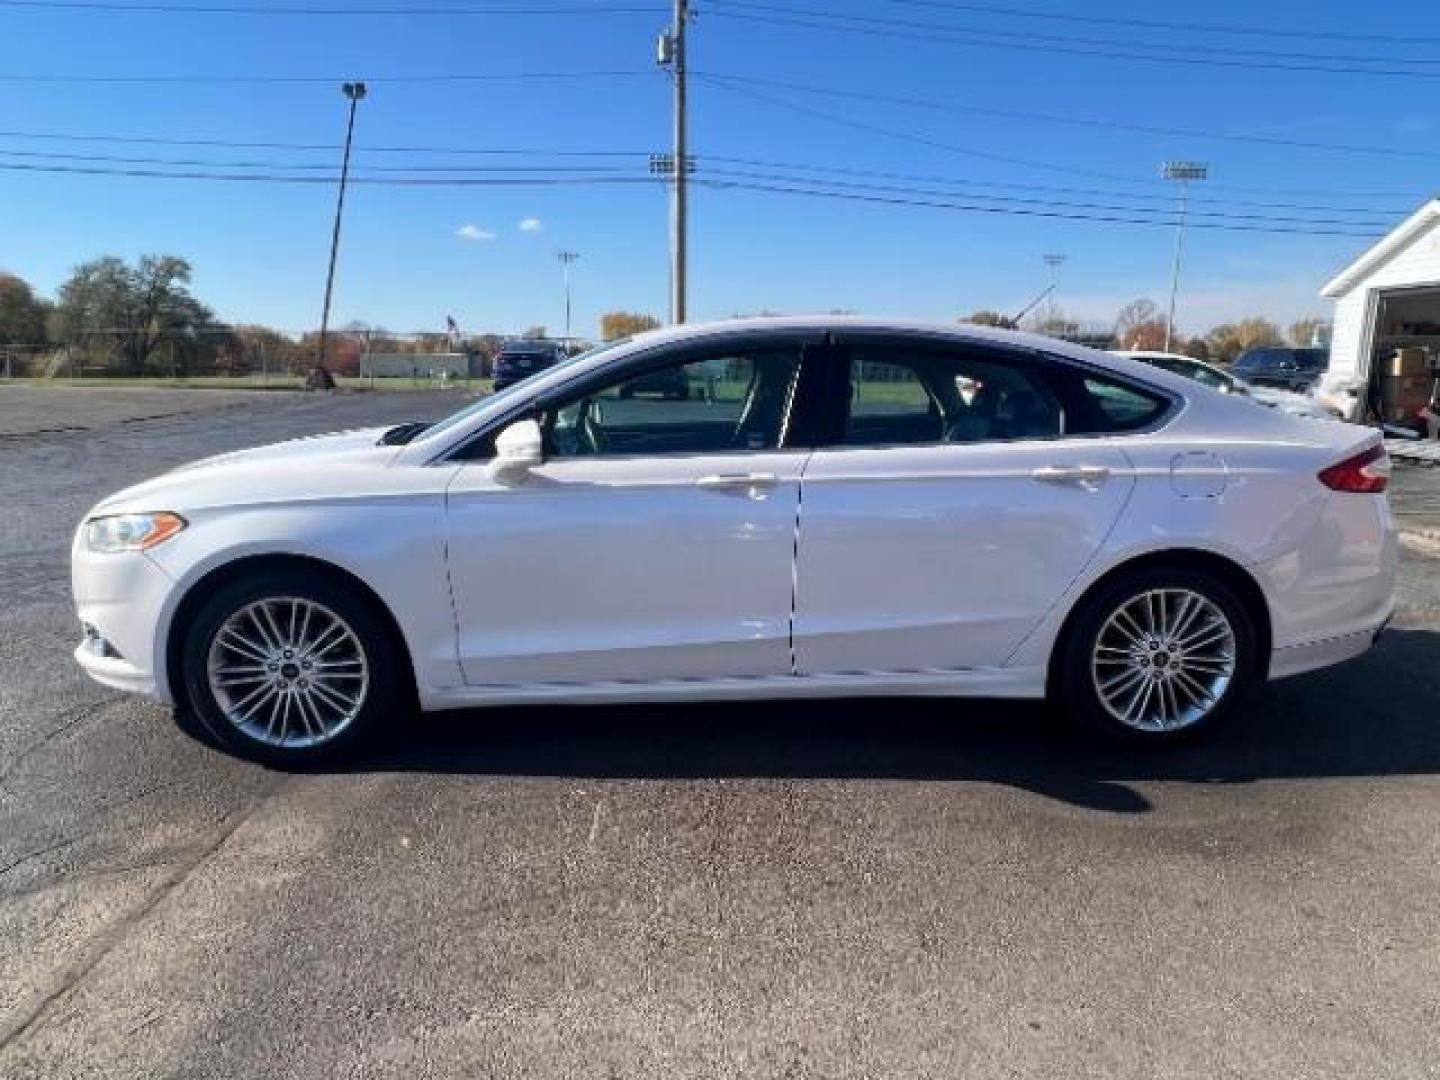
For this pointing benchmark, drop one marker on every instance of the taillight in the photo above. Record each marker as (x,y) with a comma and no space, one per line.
(1367,472)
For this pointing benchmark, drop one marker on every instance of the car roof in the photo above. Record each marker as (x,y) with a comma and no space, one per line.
(819,325)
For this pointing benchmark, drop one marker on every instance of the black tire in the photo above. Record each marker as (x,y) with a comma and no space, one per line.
(384,698)
(1076,688)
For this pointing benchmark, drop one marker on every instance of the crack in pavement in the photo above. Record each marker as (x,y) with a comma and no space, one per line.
(87,711)
(38,1004)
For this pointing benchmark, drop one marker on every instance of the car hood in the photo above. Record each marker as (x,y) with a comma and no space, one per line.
(307,448)
(335,465)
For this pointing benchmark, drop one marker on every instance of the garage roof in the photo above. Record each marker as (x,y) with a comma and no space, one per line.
(1413,227)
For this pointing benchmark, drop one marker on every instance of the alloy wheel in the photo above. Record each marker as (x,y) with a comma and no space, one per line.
(288,672)
(1164,659)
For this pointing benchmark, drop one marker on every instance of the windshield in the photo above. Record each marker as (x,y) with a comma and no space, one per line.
(486,400)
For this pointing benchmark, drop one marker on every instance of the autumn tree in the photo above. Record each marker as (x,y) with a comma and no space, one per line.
(1229,340)
(621,324)
(1139,325)
(1308,331)
(22,314)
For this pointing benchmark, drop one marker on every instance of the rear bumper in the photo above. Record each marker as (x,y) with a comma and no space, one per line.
(1298,659)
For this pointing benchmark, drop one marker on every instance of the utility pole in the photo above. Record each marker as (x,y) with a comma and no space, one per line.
(355,91)
(566,259)
(671,54)
(1184,172)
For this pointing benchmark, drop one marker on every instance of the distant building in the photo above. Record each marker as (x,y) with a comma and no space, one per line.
(455,365)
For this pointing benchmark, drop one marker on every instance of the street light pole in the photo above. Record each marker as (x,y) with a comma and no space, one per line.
(355,91)
(566,259)
(1184,172)
(1053,262)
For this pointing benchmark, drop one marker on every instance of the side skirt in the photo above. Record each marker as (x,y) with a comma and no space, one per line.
(979,682)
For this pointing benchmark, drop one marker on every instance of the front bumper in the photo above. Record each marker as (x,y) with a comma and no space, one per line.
(120,599)
(115,672)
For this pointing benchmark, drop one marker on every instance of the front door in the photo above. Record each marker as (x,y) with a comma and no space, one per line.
(964,491)
(655,543)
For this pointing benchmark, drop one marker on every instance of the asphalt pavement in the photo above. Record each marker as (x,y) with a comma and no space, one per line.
(862,889)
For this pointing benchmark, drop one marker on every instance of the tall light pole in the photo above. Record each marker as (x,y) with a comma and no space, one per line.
(1053,262)
(567,258)
(355,91)
(1183,172)
(671,54)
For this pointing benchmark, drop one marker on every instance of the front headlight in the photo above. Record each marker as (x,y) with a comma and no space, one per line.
(131,532)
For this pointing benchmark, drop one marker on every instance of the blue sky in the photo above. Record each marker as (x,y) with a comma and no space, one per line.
(259,249)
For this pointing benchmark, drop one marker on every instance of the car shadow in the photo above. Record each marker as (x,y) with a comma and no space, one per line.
(1376,716)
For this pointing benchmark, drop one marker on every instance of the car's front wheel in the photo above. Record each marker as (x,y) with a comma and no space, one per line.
(290,668)
(1157,654)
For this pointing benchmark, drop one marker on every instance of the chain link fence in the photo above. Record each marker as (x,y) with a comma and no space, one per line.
(254,357)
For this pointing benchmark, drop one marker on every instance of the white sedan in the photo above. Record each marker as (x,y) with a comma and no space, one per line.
(833,508)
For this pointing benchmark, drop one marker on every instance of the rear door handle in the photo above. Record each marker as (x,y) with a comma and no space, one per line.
(1071,474)
(752,485)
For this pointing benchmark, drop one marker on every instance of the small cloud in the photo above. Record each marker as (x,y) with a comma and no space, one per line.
(532,224)
(474,232)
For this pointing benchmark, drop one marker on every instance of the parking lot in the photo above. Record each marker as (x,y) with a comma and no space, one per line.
(878,888)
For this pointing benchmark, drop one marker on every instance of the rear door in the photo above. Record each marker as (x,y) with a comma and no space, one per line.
(963,490)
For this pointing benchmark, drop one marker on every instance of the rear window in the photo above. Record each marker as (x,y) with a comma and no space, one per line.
(1110,406)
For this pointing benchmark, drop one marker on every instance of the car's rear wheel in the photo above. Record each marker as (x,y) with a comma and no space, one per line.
(1157,655)
(290,668)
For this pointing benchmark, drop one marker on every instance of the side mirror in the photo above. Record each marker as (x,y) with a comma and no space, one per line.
(518,449)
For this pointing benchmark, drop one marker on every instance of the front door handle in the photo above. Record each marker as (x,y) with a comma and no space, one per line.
(751,485)
(1071,474)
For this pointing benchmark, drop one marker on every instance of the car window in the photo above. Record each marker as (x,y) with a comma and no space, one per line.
(732,401)
(1192,370)
(900,395)
(1114,407)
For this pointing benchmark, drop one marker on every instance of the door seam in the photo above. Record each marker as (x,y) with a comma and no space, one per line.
(795,560)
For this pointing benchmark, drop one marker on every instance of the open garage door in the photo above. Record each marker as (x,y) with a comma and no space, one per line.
(1404,357)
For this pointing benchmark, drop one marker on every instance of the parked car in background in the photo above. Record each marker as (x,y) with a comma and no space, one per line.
(669,383)
(856,508)
(520,359)
(1283,368)
(1227,383)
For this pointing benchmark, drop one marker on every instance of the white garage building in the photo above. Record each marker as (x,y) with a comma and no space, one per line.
(1387,299)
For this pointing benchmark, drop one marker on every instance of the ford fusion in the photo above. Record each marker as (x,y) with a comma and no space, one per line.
(831,508)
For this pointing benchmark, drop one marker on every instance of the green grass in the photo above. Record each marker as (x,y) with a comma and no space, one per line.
(240,382)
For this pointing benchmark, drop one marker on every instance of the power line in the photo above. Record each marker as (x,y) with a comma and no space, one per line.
(513,76)
(1069,39)
(1161,215)
(1158,24)
(278,178)
(1116,219)
(945,35)
(750,182)
(232,144)
(970,151)
(316,166)
(1050,118)
(642,154)
(1016,185)
(919,140)
(161,7)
